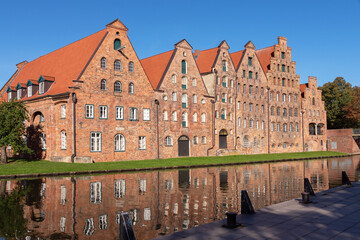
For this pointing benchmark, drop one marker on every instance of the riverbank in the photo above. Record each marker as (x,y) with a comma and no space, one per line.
(333,214)
(27,169)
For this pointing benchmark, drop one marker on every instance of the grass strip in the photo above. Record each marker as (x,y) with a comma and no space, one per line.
(22,166)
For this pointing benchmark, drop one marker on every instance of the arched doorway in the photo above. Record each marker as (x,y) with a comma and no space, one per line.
(183,146)
(223,138)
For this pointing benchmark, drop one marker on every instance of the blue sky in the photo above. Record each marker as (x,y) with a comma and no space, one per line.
(324,34)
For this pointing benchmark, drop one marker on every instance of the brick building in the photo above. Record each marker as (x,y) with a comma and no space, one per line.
(94,100)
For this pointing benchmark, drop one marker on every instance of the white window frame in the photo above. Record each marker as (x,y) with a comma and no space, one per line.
(63,140)
(62,194)
(18,94)
(173,96)
(95,192)
(174,116)
(119,188)
(168,141)
(89,111)
(133,116)
(119,113)
(41,87)
(103,223)
(95,141)
(43,141)
(29,91)
(195,117)
(103,112)
(142,143)
(203,140)
(194,98)
(63,111)
(119,143)
(146,114)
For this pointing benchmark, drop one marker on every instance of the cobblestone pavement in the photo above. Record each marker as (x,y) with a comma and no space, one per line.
(333,214)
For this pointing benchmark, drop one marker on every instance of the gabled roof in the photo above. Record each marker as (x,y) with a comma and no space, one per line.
(65,64)
(236,57)
(206,59)
(20,85)
(155,67)
(264,56)
(303,87)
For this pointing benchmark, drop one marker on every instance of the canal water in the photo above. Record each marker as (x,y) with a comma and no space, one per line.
(158,202)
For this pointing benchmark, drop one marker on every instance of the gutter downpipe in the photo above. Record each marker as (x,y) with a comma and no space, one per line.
(213,115)
(74,100)
(157,128)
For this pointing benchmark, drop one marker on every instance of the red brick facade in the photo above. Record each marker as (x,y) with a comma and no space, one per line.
(94,100)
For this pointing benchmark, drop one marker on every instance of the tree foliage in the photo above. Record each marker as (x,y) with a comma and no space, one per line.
(13,115)
(337,96)
(352,110)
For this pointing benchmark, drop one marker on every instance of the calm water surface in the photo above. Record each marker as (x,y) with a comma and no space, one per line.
(158,202)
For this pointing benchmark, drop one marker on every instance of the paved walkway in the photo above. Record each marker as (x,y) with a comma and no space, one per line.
(334,214)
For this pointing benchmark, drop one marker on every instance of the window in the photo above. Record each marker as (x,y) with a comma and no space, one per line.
(225,81)
(103,85)
(174,116)
(142,186)
(168,141)
(278,127)
(250,74)
(119,188)
(278,111)
(271,95)
(239,122)
(231,83)
(262,91)
(216,114)
(289,97)
(117,65)
(272,111)
(217,80)
(290,112)
(244,106)
(184,83)
(184,100)
(29,91)
(230,116)
(290,127)
(250,107)
(95,192)
(203,140)
(43,141)
(250,61)
(133,116)
(295,112)
(245,123)
(184,119)
(278,67)
(296,127)
(284,112)
(117,86)
(95,142)
(119,113)
(230,100)
(131,66)
(313,100)
(117,44)
(103,63)
(285,127)
(251,123)
(272,126)
(63,140)
(194,82)
(142,143)
(18,94)
(89,111)
(146,114)
(282,55)
(250,89)
(147,214)
(196,140)
(165,115)
(183,67)
(41,87)
(119,142)
(62,195)
(103,112)
(224,65)
(277,96)
(203,117)
(173,96)
(284,97)
(131,88)
(103,222)
(173,78)
(62,224)
(246,142)
(256,90)
(262,125)
(262,108)
(194,98)
(283,68)
(223,97)
(195,117)
(295,98)
(89,227)
(244,74)
(256,75)
(63,111)
(223,114)
(288,70)
(257,124)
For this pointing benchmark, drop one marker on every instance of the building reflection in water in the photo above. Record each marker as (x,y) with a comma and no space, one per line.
(163,202)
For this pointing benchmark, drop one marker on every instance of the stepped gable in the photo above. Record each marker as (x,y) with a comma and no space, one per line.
(64,65)
(236,58)
(264,56)
(303,87)
(206,59)
(155,67)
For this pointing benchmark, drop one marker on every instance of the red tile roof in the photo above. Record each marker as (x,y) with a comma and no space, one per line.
(264,56)
(63,65)
(236,57)
(155,66)
(303,86)
(206,59)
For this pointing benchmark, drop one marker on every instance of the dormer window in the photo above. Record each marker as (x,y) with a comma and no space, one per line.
(41,87)
(117,44)
(18,94)
(29,91)
(9,96)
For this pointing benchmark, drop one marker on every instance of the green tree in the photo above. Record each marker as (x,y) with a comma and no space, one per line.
(13,115)
(353,108)
(337,95)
